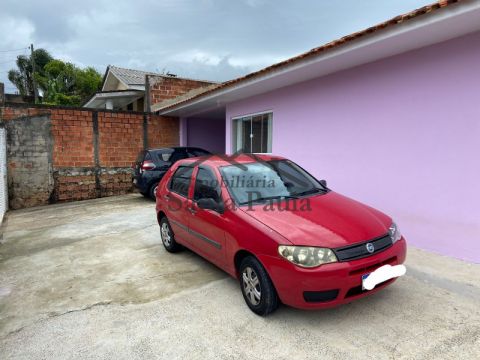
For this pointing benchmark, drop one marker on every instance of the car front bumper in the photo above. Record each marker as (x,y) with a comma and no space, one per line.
(331,284)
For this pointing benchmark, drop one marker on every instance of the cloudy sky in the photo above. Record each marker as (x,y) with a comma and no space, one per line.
(204,39)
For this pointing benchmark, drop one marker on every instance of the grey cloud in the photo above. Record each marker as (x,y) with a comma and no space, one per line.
(206,39)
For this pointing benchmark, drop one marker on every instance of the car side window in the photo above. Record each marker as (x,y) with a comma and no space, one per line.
(181,180)
(206,186)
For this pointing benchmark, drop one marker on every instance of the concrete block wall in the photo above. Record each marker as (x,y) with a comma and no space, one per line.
(29,161)
(68,154)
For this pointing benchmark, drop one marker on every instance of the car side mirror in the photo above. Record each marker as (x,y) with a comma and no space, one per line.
(210,204)
(323,183)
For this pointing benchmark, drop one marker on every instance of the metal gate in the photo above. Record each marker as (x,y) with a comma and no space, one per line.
(3,174)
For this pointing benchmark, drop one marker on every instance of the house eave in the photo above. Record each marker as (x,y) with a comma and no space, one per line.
(103,96)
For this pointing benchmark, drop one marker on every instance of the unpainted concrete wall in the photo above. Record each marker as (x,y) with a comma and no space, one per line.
(29,154)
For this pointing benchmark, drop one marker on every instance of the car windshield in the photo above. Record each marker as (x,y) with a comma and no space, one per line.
(263,181)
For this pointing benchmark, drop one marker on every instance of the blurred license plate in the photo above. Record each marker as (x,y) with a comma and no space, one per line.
(364,277)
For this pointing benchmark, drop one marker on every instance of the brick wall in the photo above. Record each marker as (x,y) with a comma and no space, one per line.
(162,132)
(72,131)
(90,153)
(161,88)
(120,138)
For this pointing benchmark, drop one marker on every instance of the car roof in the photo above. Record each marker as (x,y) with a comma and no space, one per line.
(218,160)
(178,148)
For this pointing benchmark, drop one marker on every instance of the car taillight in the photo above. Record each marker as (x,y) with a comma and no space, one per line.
(147,165)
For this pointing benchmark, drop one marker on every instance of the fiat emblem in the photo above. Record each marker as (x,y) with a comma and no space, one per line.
(370,247)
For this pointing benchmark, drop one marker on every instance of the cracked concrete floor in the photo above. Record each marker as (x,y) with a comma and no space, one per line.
(91,280)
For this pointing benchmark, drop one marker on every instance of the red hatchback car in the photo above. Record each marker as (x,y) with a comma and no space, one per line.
(285,235)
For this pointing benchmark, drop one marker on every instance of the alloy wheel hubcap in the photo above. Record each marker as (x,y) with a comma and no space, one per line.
(165,233)
(251,285)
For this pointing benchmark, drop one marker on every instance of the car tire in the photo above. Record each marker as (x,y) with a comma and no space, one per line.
(153,191)
(257,287)
(168,238)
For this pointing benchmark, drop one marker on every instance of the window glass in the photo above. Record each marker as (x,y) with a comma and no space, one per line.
(148,156)
(164,154)
(181,180)
(206,185)
(289,172)
(260,181)
(253,134)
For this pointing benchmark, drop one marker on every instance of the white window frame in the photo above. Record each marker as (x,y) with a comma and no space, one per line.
(235,131)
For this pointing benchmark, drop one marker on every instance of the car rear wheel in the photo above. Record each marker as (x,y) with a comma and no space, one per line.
(257,287)
(168,238)
(153,191)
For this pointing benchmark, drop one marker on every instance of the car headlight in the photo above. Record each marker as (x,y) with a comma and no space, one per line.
(308,257)
(394,233)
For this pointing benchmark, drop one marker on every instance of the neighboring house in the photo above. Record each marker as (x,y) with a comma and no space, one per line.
(135,90)
(389,115)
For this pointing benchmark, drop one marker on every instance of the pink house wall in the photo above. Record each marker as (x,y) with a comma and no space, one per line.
(206,133)
(401,134)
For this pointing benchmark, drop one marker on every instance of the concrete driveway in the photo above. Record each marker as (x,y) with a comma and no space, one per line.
(92,280)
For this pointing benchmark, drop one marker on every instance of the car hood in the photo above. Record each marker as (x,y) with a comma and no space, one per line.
(330,220)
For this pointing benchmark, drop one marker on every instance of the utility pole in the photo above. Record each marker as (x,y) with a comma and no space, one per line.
(34,82)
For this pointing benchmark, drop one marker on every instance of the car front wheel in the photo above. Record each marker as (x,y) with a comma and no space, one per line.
(257,287)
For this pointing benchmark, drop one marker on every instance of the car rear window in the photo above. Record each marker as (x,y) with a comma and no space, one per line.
(163,155)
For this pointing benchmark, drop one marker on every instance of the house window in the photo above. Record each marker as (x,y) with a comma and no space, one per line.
(252,133)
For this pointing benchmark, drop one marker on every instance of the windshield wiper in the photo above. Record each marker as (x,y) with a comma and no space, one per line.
(311,191)
(266,198)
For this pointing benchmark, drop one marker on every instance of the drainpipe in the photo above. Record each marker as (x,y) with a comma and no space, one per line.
(146,96)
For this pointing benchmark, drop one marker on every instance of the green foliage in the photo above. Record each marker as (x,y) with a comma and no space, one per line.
(60,83)
(22,77)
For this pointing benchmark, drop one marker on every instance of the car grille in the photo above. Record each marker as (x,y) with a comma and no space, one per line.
(358,251)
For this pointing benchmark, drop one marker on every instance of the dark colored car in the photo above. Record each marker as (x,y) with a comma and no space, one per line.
(152,164)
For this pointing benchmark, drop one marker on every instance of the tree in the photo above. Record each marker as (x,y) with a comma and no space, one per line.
(22,78)
(65,84)
(59,82)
